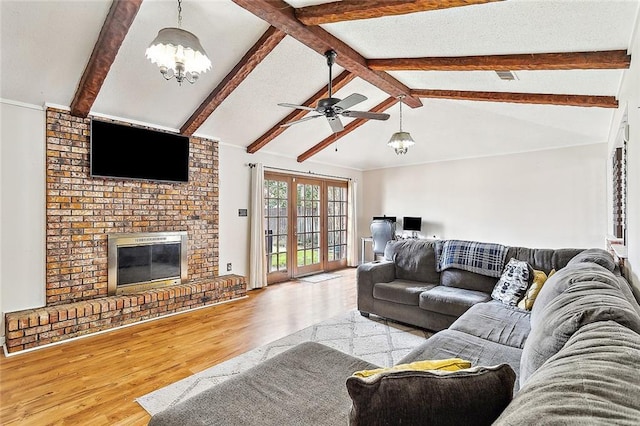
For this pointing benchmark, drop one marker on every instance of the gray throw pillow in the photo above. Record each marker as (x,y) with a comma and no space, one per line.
(513,283)
(475,396)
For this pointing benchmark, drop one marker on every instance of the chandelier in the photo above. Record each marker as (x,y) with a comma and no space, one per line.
(401,141)
(178,53)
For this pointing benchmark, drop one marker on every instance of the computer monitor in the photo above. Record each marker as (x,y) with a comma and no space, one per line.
(411,223)
(389,218)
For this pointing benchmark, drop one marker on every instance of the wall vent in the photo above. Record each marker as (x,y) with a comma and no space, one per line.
(507,75)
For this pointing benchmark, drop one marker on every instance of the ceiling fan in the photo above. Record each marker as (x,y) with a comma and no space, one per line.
(332,107)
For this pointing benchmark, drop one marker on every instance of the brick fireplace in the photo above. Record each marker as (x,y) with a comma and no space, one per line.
(82,210)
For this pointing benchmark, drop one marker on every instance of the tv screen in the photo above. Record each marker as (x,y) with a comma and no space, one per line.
(122,151)
(411,223)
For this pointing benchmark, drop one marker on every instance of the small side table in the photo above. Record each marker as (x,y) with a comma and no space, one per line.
(363,241)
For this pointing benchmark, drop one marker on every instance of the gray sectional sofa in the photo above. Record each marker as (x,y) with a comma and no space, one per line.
(573,359)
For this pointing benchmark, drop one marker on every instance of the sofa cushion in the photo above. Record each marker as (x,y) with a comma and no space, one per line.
(468,280)
(474,396)
(456,344)
(450,300)
(414,260)
(592,380)
(513,284)
(584,303)
(595,255)
(496,322)
(400,291)
(543,259)
(559,282)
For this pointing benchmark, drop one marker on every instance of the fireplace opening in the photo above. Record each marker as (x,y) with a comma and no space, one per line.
(146,260)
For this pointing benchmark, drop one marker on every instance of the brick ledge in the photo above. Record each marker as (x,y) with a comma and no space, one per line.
(37,327)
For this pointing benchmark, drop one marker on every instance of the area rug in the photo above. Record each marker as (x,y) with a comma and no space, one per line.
(319,277)
(373,339)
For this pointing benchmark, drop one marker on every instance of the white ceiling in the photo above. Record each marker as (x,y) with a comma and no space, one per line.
(45,46)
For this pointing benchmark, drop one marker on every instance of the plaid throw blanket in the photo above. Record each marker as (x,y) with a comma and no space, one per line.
(481,258)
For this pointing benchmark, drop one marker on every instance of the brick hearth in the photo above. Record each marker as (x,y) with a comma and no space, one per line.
(82,210)
(41,326)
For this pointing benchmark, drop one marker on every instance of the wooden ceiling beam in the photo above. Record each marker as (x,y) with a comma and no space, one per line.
(611,59)
(349,10)
(281,15)
(114,29)
(267,42)
(381,107)
(337,83)
(521,98)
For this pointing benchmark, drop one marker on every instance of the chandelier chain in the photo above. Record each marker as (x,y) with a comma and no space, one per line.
(400,97)
(179,13)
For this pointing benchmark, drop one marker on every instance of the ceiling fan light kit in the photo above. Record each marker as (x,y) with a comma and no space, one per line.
(332,108)
(178,53)
(401,141)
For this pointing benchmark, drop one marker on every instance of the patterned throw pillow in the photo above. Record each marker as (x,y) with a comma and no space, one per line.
(513,283)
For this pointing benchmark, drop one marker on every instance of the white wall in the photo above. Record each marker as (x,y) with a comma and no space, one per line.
(629,96)
(22,213)
(553,198)
(234,193)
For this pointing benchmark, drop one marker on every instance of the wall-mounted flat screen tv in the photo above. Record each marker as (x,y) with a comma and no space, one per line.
(128,152)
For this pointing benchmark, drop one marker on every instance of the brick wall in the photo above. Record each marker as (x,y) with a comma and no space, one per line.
(82,210)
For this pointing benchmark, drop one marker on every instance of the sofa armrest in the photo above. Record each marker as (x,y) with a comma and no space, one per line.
(367,275)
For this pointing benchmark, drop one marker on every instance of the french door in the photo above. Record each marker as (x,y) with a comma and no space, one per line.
(305,225)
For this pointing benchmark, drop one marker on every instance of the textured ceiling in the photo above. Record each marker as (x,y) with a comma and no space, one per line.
(45,46)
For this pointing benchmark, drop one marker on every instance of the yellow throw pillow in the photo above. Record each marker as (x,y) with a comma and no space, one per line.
(539,278)
(452,364)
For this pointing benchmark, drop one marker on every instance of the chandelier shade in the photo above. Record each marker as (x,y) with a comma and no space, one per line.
(178,53)
(401,141)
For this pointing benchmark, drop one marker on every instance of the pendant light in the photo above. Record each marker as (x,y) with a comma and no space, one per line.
(401,141)
(178,53)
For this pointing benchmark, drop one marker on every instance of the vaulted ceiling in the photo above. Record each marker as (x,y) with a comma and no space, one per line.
(568,57)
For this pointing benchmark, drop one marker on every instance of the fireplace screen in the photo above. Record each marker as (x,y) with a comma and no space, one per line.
(142,261)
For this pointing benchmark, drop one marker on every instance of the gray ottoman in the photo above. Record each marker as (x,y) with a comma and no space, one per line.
(304,385)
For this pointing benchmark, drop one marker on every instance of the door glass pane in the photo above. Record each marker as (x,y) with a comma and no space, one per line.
(276,224)
(337,223)
(308,208)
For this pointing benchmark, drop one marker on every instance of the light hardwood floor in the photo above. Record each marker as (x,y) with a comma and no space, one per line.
(95,380)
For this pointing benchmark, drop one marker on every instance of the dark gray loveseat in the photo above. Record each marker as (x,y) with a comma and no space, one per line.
(407,287)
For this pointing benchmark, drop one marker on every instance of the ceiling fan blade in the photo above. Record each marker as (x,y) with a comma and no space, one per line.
(301,120)
(297,106)
(335,123)
(366,115)
(350,101)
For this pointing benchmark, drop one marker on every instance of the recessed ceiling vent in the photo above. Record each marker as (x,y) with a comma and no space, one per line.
(507,75)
